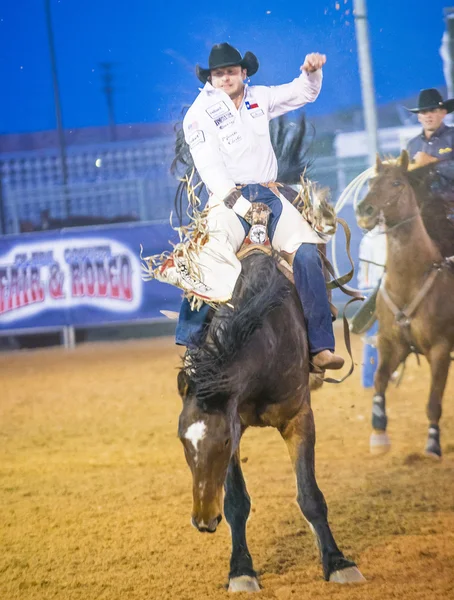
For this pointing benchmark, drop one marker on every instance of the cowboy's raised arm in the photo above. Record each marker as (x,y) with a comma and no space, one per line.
(204,147)
(300,91)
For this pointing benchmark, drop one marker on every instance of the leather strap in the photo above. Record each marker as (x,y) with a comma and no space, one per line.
(347,345)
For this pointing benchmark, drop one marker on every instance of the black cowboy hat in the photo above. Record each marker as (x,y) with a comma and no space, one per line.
(225,55)
(431,99)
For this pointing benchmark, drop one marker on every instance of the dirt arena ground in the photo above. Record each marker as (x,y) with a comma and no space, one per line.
(95,495)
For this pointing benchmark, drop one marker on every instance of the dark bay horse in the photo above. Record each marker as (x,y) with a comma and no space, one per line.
(253,371)
(415,307)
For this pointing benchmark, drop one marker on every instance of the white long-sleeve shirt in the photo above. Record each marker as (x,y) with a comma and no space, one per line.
(372,258)
(230,145)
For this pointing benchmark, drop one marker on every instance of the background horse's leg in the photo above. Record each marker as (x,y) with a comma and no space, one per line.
(299,434)
(390,355)
(237,505)
(440,360)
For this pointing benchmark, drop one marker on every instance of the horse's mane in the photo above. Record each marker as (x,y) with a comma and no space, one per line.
(436,206)
(289,140)
(434,195)
(261,288)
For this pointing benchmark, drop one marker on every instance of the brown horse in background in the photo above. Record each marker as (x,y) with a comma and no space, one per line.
(415,307)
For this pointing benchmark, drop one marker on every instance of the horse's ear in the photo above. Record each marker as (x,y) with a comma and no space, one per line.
(378,163)
(183,383)
(404,160)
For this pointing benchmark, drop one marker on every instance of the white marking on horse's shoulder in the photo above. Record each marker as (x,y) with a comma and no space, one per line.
(195,433)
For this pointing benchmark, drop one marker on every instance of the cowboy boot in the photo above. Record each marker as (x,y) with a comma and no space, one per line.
(327,360)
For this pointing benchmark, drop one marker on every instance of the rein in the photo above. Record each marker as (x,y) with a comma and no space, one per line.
(404,315)
(388,229)
(339,282)
(394,200)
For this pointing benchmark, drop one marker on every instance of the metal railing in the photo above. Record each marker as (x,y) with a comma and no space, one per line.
(108,180)
(130,179)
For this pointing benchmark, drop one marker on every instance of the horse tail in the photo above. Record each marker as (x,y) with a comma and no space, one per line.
(183,167)
(291,146)
(261,289)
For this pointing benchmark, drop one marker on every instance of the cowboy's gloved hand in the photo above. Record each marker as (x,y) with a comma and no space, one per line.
(238,203)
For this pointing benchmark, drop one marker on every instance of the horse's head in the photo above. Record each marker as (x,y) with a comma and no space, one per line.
(390,195)
(209,438)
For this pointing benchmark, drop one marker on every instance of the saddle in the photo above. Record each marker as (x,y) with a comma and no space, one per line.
(257,240)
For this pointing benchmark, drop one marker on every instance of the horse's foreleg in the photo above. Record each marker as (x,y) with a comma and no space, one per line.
(237,506)
(299,434)
(390,356)
(440,360)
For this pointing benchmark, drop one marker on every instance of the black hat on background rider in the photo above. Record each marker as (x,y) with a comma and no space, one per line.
(431,99)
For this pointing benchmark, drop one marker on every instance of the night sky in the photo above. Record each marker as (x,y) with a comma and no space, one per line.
(155,45)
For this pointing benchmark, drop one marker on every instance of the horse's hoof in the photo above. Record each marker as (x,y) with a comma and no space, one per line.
(433,448)
(379,442)
(433,454)
(349,575)
(244,583)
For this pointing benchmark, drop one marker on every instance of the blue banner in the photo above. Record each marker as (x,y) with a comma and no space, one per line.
(82,277)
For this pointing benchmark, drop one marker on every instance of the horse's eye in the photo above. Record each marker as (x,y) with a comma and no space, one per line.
(396,183)
(227,442)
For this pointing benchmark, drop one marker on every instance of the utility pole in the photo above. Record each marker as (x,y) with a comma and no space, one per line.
(2,207)
(366,75)
(108,89)
(447,50)
(58,113)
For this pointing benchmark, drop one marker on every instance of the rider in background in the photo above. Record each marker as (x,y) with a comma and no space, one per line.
(227,130)
(435,144)
(436,141)
(372,258)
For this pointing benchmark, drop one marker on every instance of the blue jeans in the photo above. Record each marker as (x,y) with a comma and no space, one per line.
(309,283)
(370,358)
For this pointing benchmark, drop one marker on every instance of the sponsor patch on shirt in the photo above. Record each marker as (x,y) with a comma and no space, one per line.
(224,120)
(217,110)
(196,138)
(444,150)
(257,113)
(232,138)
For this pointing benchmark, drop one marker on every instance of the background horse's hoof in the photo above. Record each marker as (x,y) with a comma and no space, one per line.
(433,448)
(433,453)
(349,575)
(244,583)
(379,442)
